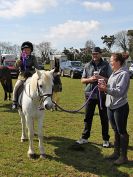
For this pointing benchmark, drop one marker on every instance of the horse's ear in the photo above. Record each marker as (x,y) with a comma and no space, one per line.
(38,72)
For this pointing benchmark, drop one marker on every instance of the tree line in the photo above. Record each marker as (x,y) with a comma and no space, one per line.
(122,40)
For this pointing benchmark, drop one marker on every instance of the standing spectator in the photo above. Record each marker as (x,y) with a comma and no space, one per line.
(117,106)
(26,69)
(2,60)
(104,71)
(57,86)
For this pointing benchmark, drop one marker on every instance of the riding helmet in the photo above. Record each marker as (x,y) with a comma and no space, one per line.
(27,44)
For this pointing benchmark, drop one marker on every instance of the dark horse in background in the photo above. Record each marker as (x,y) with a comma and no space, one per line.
(6,82)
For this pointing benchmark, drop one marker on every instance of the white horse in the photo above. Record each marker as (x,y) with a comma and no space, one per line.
(35,97)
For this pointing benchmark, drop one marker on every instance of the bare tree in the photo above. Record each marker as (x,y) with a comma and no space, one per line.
(71,53)
(122,40)
(130,35)
(16,49)
(44,50)
(8,48)
(90,44)
(5,47)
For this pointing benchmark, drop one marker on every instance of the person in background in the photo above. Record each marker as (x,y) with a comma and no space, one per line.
(117,106)
(2,60)
(57,86)
(96,69)
(26,64)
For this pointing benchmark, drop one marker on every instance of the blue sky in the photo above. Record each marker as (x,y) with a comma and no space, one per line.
(64,23)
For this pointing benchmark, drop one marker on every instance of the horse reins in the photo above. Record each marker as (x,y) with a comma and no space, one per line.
(42,99)
(88,99)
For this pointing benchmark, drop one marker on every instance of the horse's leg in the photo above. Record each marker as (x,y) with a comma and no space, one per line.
(23,123)
(4,88)
(40,137)
(29,122)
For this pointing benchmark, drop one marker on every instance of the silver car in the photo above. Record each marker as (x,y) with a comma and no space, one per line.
(73,69)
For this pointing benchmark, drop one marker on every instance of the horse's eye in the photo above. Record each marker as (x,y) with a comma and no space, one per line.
(40,86)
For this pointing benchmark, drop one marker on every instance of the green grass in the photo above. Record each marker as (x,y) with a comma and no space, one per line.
(60,132)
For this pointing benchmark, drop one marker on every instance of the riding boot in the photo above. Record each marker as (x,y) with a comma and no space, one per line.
(115,155)
(15,98)
(14,105)
(124,140)
(16,92)
(15,101)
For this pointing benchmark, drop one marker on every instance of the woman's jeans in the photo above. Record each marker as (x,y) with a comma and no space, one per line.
(118,119)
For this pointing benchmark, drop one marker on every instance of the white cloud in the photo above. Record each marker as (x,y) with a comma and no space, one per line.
(70,1)
(15,8)
(72,31)
(106,6)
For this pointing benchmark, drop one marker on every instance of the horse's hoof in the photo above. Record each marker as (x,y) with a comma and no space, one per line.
(32,156)
(43,156)
(23,140)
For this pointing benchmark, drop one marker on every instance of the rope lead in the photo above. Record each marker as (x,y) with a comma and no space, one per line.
(75,111)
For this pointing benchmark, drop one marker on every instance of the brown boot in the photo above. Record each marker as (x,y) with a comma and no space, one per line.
(124,140)
(116,152)
(121,160)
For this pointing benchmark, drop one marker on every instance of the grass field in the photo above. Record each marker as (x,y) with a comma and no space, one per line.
(60,132)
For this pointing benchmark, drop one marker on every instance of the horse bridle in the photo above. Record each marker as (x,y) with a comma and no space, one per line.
(44,96)
(42,99)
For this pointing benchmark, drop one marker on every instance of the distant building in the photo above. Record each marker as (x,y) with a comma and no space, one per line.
(57,58)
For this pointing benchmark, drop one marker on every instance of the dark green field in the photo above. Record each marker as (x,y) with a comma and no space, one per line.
(61,130)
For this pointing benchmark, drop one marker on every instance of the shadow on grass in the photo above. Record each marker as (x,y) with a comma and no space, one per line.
(85,158)
(6,107)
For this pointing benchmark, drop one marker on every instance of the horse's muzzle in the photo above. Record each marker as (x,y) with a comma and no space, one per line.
(49,106)
(46,106)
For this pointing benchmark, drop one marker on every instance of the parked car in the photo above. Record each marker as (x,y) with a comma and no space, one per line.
(73,69)
(10,63)
(131,71)
(7,57)
(41,65)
